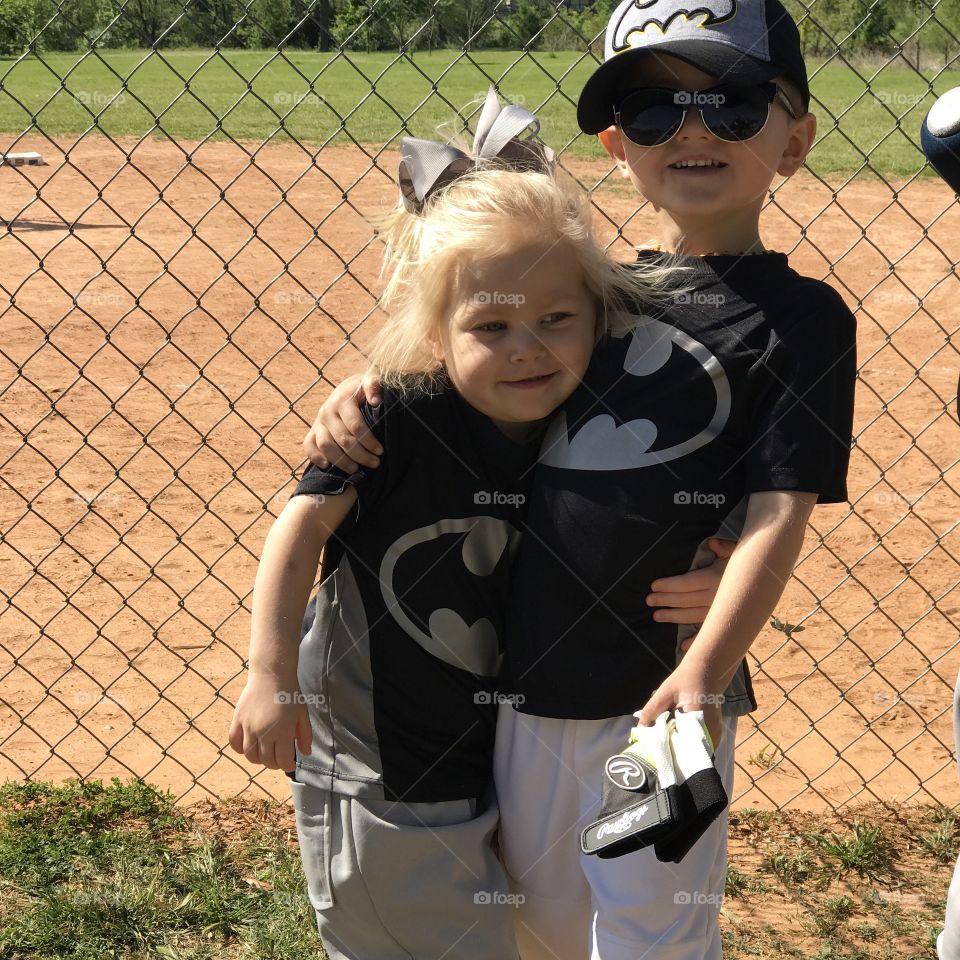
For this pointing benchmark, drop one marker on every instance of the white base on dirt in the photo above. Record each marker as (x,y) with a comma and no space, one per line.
(31,159)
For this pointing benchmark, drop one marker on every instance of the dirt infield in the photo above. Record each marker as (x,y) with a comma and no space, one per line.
(173,314)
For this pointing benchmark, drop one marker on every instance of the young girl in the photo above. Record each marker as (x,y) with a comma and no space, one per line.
(497,293)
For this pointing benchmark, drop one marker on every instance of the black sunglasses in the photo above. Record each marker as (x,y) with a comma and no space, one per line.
(651,116)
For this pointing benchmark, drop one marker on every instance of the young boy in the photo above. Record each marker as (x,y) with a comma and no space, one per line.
(733,419)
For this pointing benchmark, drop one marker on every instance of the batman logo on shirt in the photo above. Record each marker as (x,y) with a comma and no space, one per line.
(601,444)
(471,646)
(660,14)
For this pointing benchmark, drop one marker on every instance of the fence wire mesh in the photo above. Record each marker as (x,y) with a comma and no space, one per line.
(195,266)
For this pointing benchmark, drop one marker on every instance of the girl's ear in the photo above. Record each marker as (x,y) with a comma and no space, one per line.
(601,322)
(436,346)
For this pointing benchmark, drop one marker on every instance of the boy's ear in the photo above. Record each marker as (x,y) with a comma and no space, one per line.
(612,142)
(802,134)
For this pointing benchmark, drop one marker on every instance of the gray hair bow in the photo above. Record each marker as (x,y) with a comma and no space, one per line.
(426,166)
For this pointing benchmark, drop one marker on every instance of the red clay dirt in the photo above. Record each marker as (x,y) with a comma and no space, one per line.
(177,313)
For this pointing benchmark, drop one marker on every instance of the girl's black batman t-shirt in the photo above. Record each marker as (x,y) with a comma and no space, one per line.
(398,670)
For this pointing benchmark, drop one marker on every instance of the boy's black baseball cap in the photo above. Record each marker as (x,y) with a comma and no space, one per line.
(736,41)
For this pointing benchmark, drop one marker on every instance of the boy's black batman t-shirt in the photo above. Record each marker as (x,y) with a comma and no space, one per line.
(398,669)
(745,385)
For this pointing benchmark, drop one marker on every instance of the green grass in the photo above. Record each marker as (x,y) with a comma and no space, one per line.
(941,842)
(736,882)
(791,868)
(840,888)
(191,95)
(864,849)
(90,872)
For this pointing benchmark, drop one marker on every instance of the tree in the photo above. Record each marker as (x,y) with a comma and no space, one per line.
(356,28)
(146,20)
(463,20)
(20,23)
(72,24)
(527,21)
(212,23)
(382,25)
(403,18)
(323,18)
(267,23)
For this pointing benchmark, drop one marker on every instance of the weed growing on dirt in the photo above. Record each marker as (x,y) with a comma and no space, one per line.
(865,850)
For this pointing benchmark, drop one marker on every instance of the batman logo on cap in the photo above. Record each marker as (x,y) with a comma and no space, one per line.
(660,14)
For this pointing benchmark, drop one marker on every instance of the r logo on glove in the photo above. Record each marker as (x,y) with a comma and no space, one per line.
(627,772)
(662,790)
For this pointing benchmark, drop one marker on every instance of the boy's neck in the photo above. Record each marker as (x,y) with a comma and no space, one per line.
(699,238)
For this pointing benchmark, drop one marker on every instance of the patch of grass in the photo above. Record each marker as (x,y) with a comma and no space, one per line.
(750,817)
(833,951)
(226,883)
(736,882)
(792,868)
(783,627)
(942,844)
(813,906)
(943,841)
(762,941)
(839,908)
(48,834)
(942,815)
(118,871)
(314,97)
(828,920)
(865,850)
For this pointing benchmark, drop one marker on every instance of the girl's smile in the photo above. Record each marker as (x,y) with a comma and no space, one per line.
(521,331)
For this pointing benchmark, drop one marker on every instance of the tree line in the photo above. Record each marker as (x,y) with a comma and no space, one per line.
(855,26)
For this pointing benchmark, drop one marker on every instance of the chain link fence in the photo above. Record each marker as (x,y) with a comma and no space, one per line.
(193,267)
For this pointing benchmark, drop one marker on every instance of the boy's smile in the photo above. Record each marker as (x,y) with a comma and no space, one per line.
(710,191)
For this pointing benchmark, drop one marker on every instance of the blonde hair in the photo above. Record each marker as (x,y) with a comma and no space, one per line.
(488,213)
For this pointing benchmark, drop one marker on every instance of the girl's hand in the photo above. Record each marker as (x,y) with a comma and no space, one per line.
(340,435)
(267,721)
(687,598)
(691,688)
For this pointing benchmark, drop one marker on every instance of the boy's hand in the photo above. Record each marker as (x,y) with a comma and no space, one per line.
(692,689)
(687,597)
(340,435)
(266,723)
